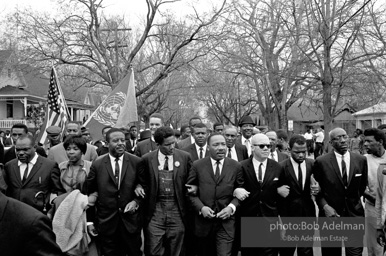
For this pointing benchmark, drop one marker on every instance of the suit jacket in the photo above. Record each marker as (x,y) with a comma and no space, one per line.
(299,202)
(242,152)
(144,147)
(263,198)
(11,153)
(111,200)
(180,174)
(9,142)
(216,195)
(44,176)
(346,202)
(191,149)
(185,142)
(129,147)
(58,153)
(281,156)
(25,231)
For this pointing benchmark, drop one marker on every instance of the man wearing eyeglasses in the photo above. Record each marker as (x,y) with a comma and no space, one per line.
(342,178)
(261,180)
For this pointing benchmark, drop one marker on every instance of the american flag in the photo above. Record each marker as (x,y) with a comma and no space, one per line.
(56,112)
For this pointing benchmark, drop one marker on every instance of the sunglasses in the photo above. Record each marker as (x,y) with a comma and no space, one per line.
(261,146)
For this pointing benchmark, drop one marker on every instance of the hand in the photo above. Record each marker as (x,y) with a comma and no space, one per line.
(283,191)
(92,230)
(381,237)
(329,211)
(207,212)
(192,189)
(131,207)
(315,188)
(225,213)
(139,191)
(240,193)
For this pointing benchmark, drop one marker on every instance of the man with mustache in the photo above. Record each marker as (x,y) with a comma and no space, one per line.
(119,211)
(342,177)
(217,177)
(198,149)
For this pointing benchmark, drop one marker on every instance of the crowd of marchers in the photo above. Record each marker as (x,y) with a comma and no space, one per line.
(168,193)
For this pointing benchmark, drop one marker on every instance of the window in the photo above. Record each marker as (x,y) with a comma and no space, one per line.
(9,108)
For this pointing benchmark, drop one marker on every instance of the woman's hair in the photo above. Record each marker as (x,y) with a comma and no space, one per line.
(78,140)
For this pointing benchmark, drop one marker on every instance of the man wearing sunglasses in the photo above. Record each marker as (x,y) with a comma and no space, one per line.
(259,199)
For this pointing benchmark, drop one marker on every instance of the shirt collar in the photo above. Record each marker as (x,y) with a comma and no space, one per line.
(112,158)
(341,156)
(243,139)
(163,156)
(32,161)
(294,163)
(215,161)
(258,162)
(203,147)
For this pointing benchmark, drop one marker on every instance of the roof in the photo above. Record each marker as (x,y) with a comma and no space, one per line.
(379,108)
(11,91)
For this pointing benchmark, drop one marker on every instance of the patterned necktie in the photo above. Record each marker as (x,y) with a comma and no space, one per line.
(272,156)
(300,177)
(248,145)
(166,165)
(116,174)
(344,172)
(229,153)
(25,174)
(260,174)
(201,152)
(217,174)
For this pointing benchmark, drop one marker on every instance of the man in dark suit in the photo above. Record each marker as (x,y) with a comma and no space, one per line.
(31,175)
(198,149)
(131,139)
(167,170)
(246,125)
(297,194)
(342,178)
(25,231)
(216,177)
(148,145)
(260,198)
(18,130)
(119,211)
(103,147)
(189,140)
(235,151)
(275,154)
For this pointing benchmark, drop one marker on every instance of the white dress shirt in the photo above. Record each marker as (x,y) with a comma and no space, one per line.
(23,166)
(161,160)
(233,153)
(295,165)
(247,143)
(275,156)
(256,165)
(346,157)
(203,150)
(120,163)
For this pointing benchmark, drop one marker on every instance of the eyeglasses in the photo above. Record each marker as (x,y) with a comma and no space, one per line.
(261,146)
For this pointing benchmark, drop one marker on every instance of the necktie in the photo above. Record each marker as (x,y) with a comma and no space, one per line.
(166,165)
(344,172)
(229,153)
(248,147)
(116,174)
(300,177)
(217,174)
(272,156)
(260,174)
(25,175)
(201,152)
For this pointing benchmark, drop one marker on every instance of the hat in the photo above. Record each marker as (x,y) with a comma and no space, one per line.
(53,130)
(144,135)
(246,120)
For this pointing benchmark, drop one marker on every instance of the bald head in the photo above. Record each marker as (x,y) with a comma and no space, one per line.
(260,147)
(72,129)
(273,139)
(339,140)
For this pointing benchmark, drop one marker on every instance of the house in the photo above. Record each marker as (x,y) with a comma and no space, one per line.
(371,117)
(22,87)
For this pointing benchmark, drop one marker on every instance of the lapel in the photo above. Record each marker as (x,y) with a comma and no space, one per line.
(176,157)
(16,171)
(269,172)
(251,173)
(34,170)
(109,168)
(308,174)
(335,167)
(352,165)
(224,170)
(292,172)
(154,165)
(125,166)
(193,151)
(209,164)
(3,205)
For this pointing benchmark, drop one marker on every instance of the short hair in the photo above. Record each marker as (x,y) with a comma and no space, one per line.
(377,133)
(77,124)
(162,133)
(27,136)
(131,127)
(106,127)
(217,124)
(212,135)
(78,140)
(192,118)
(199,125)
(298,139)
(111,131)
(157,115)
(20,126)
(282,134)
(382,126)
(183,128)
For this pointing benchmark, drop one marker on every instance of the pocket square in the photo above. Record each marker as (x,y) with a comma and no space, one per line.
(276,179)
(359,174)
